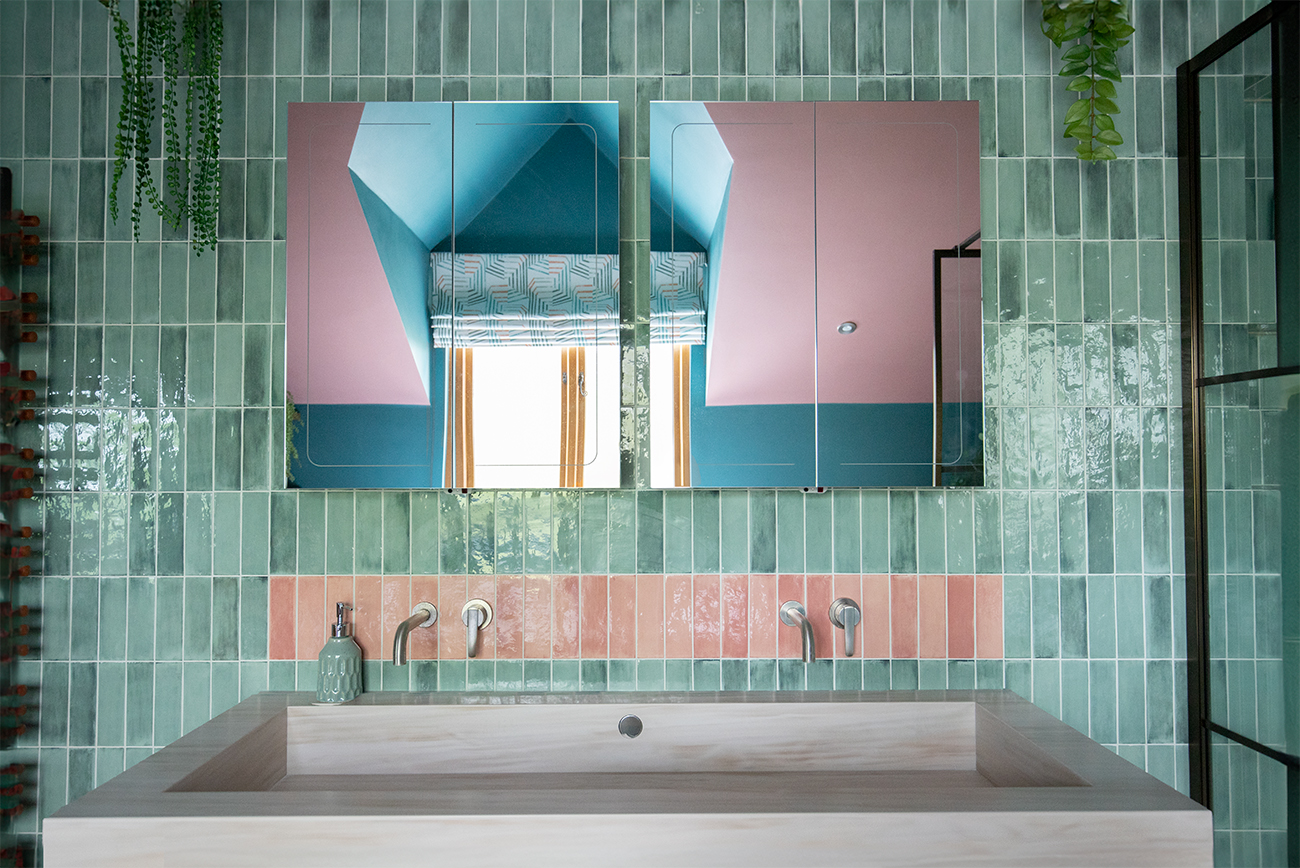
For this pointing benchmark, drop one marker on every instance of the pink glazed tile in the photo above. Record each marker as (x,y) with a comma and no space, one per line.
(396,593)
(649,616)
(734,611)
(369,614)
(452,596)
(422,644)
(677,617)
(281,621)
(875,617)
(961,617)
(818,603)
(763,616)
(902,616)
(507,628)
(988,617)
(706,621)
(622,616)
(933,602)
(788,642)
(311,617)
(488,588)
(848,585)
(594,619)
(564,617)
(537,617)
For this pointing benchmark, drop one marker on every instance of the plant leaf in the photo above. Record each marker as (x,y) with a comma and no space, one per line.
(1073,69)
(1081,131)
(1074,32)
(1105,88)
(1084,151)
(1079,52)
(1102,153)
(1080,82)
(1104,122)
(1110,137)
(1078,110)
(1106,106)
(1111,72)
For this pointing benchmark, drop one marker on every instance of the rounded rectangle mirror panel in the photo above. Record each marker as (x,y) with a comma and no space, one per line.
(453,280)
(815,301)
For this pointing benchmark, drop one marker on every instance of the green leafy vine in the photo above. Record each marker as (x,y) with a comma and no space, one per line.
(1102,28)
(156,55)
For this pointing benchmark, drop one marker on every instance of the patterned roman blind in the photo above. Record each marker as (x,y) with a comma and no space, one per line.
(677,297)
(524,299)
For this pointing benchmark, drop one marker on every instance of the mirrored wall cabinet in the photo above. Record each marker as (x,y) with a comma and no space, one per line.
(815,303)
(452,296)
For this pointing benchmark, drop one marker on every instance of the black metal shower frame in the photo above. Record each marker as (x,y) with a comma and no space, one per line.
(1283,19)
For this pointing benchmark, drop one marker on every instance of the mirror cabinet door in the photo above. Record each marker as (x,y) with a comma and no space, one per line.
(835,246)
(493,235)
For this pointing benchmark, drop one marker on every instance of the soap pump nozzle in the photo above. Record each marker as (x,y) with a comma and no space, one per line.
(340,628)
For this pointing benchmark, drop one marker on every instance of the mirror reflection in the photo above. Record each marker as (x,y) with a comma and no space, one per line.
(816,294)
(453,294)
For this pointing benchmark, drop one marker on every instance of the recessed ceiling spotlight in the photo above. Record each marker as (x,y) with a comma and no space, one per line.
(847,328)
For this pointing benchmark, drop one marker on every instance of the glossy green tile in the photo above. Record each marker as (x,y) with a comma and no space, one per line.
(649,674)
(622,532)
(904,675)
(367,545)
(790,531)
(593,675)
(650,532)
(678,552)
(340,521)
(622,675)
(424,531)
(677,675)
(509,674)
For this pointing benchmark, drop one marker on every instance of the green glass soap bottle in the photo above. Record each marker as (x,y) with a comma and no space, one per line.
(339,664)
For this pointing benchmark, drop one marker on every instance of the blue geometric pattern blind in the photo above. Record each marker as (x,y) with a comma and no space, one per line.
(677,297)
(524,299)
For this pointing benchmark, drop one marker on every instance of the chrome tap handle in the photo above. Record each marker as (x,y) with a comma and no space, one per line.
(476,614)
(795,615)
(846,615)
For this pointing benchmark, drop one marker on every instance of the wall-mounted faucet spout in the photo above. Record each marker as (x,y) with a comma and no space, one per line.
(795,615)
(423,615)
(477,614)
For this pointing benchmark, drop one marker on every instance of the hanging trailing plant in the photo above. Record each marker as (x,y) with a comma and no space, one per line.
(1102,28)
(189,64)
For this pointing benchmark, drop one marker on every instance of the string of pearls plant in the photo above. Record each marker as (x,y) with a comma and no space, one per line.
(187,64)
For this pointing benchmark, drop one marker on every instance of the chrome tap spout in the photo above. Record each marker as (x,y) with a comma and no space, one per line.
(423,615)
(795,615)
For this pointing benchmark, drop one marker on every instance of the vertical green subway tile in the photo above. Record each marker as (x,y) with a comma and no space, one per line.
(790,531)
(931,544)
(340,521)
(1016,616)
(252,624)
(1046,616)
(847,521)
(595,532)
(453,529)
(225,618)
(312,529)
(678,534)
(593,675)
(762,531)
(734,533)
(424,532)
(705,531)
(650,532)
(706,674)
(396,532)
(902,532)
(904,675)
(367,534)
(255,523)
(1129,625)
(622,532)
(818,533)
(875,532)
(565,676)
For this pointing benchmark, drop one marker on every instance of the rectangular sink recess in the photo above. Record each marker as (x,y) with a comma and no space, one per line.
(929,777)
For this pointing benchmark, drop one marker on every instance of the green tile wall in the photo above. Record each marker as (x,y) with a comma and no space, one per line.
(164,513)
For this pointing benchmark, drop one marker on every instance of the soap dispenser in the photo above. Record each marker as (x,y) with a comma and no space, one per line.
(339,664)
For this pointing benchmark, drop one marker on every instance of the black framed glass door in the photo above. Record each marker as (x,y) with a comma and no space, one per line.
(1239,186)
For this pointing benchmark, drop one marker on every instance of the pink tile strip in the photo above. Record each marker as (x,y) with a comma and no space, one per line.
(649,616)
(961,617)
(902,616)
(564,617)
(282,609)
(369,612)
(734,609)
(594,617)
(537,617)
(311,617)
(818,603)
(788,642)
(677,617)
(988,617)
(622,616)
(933,622)
(451,633)
(707,621)
(396,594)
(507,627)
(875,617)
(763,616)
(422,644)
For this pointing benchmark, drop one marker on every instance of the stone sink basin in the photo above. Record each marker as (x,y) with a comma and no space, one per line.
(844,778)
